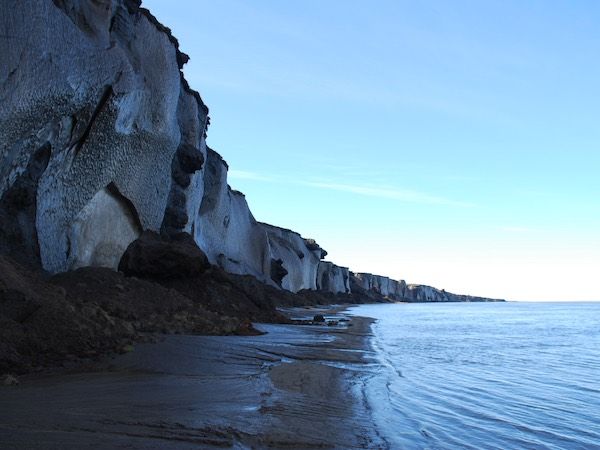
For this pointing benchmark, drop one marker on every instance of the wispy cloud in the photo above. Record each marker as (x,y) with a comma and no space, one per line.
(246,175)
(386,192)
(404,195)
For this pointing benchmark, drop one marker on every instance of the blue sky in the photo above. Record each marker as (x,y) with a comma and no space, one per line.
(455,144)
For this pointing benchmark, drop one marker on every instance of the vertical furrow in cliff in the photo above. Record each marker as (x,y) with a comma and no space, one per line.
(80,140)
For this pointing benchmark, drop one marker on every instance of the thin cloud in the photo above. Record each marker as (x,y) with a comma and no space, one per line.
(403,195)
(246,175)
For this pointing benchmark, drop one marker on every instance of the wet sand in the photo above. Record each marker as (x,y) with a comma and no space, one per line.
(294,387)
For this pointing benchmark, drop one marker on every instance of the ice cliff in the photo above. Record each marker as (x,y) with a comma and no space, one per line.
(94,89)
(101,138)
(332,278)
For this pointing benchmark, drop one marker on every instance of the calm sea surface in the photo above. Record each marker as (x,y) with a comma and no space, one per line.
(486,375)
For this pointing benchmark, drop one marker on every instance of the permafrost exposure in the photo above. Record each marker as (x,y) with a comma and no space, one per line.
(101,138)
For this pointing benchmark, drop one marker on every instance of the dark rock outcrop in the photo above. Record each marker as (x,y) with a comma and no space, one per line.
(278,272)
(186,162)
(46,322)
(154,256)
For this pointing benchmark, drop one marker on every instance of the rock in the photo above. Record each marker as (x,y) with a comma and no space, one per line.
(156,257)
(98,86)
(312,245)
(422,293)
(332,278)
(319,318)
(332,323)
(246,328)
(380,286)
(190,158)
(186,189)
(300,257)
(9,380)
(226,229)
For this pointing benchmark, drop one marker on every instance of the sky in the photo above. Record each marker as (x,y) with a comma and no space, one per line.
(454,144)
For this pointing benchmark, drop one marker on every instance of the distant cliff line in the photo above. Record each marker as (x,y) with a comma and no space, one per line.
(102,139)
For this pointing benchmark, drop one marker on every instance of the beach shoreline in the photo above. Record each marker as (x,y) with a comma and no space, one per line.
(297,386)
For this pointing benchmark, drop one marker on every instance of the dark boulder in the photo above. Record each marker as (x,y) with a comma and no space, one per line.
(319,318)
(186,161)
(246,328)
(190,158)
(157,257)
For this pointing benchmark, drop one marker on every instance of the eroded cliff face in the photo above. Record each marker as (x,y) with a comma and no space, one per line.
(422,293)
(94,90)
(298,257)
(98,85)
(102,230)
(226,229)
(332,278)
(393,289)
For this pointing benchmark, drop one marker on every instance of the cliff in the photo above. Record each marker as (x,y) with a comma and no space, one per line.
(95,115)
(393,289)
(422,293)
(295,260)
(226,229)
(103,154)
(332,278)
(101,139)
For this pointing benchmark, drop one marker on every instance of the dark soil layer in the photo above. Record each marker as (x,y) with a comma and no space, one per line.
(47,321)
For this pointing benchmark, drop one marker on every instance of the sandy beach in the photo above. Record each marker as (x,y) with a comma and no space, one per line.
(296,386)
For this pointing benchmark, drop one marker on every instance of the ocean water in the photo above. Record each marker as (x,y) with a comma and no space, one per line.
(486,375)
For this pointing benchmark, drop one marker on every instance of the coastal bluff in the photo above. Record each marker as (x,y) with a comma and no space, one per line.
(103,141)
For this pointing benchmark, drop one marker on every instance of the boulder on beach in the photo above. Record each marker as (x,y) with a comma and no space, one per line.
(156,256)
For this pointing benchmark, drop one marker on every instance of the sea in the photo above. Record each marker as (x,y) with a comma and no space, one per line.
(514,375)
